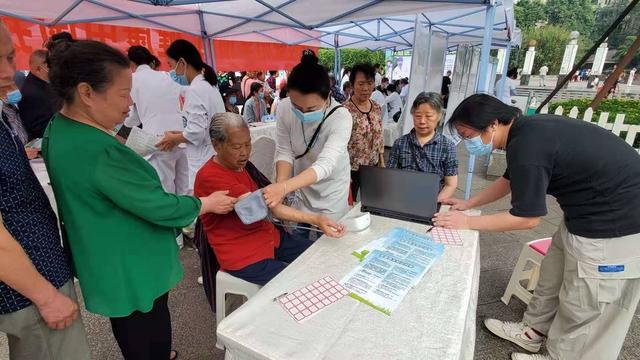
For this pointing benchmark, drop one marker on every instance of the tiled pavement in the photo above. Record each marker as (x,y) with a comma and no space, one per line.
(194,323)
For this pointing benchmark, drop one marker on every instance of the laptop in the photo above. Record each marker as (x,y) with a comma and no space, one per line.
(399,194)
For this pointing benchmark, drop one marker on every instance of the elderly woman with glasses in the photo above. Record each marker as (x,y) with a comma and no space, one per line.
(425,149)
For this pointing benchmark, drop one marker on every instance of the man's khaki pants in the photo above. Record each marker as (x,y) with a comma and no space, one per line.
(31,339)
(587,295)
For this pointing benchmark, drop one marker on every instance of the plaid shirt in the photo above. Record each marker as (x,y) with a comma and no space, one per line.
(437,156)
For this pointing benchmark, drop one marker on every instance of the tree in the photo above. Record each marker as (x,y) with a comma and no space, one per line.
(624,47)
(571,14)
(350,57)
(605,16)
(529,12)
(551,41)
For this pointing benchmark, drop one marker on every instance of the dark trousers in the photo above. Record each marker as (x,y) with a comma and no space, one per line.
(145,336)
(355,184)
(291,246)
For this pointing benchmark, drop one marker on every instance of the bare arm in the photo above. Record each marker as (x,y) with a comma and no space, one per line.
(17,271)
(503,221)
(449,188)
(328,226)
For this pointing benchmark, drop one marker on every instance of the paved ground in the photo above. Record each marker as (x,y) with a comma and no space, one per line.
(194,324)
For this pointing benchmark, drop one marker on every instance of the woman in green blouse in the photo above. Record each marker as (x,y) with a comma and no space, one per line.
(119,222)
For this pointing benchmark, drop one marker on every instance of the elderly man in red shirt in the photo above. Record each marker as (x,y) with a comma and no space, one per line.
(256,252)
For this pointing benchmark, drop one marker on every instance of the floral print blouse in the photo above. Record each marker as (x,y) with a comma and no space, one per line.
(366,143)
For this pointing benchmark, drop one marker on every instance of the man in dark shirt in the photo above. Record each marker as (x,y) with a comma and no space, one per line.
(444,90)
(38,305)
(39,102)
(589,284)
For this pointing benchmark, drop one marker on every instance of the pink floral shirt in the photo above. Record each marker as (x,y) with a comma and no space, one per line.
(366,143)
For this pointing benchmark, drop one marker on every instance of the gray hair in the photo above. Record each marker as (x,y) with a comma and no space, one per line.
(431,98)
(223,121)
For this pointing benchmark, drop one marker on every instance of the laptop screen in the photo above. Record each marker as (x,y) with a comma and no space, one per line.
(408,195)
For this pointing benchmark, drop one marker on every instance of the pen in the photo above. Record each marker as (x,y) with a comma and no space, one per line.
(280,296)
(431,228)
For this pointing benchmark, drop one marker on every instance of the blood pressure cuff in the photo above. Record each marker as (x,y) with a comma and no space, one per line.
(252,208)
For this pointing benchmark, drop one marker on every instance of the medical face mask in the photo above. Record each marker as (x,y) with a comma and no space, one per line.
(14,97)
(308,117)
(180,79)
(475,146)
(233,100)
(252,208)
(261,95)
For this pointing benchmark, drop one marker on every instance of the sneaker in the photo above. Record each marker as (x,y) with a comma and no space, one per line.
(521,356)
(516,332)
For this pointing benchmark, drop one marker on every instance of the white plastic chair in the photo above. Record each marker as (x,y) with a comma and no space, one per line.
(263,155)
(532,252)
(229,284)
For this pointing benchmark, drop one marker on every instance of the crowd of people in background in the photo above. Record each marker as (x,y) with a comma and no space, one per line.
(121,213)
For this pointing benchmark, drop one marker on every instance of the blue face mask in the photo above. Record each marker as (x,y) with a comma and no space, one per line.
(261,95)
(308,117)
(233,100)
(14,97)
(475,146)
(180,79)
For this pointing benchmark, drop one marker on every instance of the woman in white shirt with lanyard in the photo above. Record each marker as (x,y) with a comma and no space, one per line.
(312,135)
(202,101)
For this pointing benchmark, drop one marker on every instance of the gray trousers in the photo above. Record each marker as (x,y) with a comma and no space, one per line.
(31,339)
(586,296)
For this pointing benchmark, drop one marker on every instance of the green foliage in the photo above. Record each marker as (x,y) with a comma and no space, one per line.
(529,12)
(613,106)
(571,14)
(551,41)
(606,15)
(624,47)
(350,57)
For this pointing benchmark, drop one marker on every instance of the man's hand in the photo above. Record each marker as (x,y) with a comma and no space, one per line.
(329,227)
(274,193)
(456,204)
(217,203)
(451,220)
(57,310)
(170,140)
(32,153)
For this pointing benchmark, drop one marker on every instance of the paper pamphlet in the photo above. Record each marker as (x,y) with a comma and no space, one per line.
(34,144)
(142,142)
(390,267)
(307,301)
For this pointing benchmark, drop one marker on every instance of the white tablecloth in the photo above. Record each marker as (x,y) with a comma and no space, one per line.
(264,129)
(436,320)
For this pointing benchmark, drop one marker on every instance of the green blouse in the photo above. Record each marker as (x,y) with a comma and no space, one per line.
(119,222)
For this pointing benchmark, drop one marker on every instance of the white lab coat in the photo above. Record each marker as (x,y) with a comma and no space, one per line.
(201,102)
(397,73)
(394,103)
(156,106)
(378,97)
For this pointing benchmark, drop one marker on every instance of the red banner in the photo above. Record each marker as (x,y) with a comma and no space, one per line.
(230,55)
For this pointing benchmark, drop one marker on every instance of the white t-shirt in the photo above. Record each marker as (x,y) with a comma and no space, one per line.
(328,157)
(378,79)
(544,70)
(509,90)
(397,73)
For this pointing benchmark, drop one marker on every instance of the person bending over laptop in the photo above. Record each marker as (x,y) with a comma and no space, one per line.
(259,251)
(425,149)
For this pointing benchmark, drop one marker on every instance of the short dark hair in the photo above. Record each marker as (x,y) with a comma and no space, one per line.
(140,55)
(284,92)
(392,87)
(512,73)
(83,61)
(61,36)
(255,87)
(309,77)
(479,111)
(365,69)
(184,49)
(385,79)
(346,85)
(404,81)
(432,98)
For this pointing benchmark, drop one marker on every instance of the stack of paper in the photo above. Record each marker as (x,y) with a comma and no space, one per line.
(390,267)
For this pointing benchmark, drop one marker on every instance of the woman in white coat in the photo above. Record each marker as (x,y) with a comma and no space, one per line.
(202,100)
(156,106)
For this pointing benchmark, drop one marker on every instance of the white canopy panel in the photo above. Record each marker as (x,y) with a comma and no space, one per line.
(373,24)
